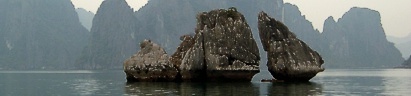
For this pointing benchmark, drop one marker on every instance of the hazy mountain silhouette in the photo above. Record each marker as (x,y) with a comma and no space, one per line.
(358,40)
(405,48)
(403,44)
(114,37)
(407,63)
(166,21)
(39,34)
(86,18)
(116,30)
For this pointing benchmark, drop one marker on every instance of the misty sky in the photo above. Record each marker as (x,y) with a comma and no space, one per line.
(396,17)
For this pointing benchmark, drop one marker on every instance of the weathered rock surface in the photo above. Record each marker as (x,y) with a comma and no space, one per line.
(149,64)
(192,67)
(223,49)
(289,58)
(177,57)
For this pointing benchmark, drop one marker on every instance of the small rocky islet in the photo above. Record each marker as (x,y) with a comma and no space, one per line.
(289,58)
(223,49)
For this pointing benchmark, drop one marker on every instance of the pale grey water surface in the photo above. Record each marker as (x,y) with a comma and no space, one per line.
(112,82)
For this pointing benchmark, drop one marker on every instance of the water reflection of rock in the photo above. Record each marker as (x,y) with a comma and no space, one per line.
(190,88)
(295,89)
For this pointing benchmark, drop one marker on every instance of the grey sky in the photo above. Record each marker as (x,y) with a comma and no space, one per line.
(395,18)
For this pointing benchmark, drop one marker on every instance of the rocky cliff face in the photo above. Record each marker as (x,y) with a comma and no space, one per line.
(222,49)
(114,37)
(149,64)
(289,58)
(301,27)
(39,34)
(358,40)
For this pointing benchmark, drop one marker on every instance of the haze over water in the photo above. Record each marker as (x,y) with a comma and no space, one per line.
(83,83)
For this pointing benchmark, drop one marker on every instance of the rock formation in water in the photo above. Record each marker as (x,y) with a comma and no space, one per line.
(149,64)
(289,58)
(358,40)
(40,34)
(223,48)
(166,21)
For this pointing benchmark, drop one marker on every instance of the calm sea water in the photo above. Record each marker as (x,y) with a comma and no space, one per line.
(83,82)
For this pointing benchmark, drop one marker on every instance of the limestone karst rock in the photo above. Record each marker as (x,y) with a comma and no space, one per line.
(229,47)
(167,20)
(192,67)
(40,34)
(114,37)
(289,58)
(149,64)
(223,49)
(358,40)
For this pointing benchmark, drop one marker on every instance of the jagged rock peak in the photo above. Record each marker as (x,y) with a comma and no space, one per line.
(149,64)
(114,36)
(114,5)
(222,49)
(227,39)
(329,20)
(219,16)
(289,58)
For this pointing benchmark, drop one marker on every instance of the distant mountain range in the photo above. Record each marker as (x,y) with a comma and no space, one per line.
(47,34)
(403,44)
(360,29)
(114,37)
(358,40)
(40,34)
(406,64)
